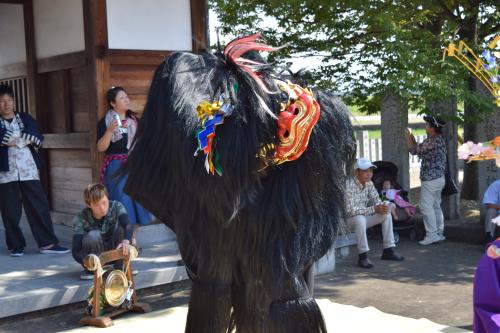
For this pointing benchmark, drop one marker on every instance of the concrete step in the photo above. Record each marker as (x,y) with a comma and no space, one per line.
(339,250)
(40,281)
(464,229)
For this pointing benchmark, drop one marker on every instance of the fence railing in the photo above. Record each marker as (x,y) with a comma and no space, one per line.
(372,148)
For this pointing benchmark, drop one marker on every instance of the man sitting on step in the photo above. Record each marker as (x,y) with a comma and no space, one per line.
(364,209)
(491,202)
(104,225)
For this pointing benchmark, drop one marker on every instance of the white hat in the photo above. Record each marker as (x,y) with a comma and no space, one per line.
(364,163)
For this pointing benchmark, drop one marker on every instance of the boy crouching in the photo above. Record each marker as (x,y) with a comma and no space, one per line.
(104,225)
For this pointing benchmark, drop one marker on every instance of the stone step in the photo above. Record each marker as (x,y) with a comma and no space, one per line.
(339,250)
(40,281)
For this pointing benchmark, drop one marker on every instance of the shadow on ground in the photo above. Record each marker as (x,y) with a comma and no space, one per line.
(434,282)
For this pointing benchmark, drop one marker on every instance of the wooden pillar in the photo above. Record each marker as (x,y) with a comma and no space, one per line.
(199,25)
(31,67)
(477,176)
(35,107)
(487,130)
(96,49)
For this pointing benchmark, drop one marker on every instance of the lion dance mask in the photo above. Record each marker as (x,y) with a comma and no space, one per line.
(248,170)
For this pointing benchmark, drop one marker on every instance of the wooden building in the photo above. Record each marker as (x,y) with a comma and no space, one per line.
(61,56)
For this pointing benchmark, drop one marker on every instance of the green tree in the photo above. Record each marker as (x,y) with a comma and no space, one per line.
(370,49)
(369,46)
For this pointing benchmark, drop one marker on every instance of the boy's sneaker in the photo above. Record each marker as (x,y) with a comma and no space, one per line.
(17,253)
(441,237)
(86,275)
(55,249)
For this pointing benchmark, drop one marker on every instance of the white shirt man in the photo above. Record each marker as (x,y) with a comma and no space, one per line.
(364,209)
(491,202)
(21,163)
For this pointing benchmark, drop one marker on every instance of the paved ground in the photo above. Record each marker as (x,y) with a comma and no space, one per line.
(434,282)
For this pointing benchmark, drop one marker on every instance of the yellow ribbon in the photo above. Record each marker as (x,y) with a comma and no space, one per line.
(206,109)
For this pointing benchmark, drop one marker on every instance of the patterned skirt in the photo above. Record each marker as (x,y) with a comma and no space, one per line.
(114,185)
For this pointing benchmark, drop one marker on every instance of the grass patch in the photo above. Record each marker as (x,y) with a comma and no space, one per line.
(354,110)
(377,133)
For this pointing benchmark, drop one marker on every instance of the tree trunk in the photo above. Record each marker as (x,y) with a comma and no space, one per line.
(478,175)
(470,189)
(394,120)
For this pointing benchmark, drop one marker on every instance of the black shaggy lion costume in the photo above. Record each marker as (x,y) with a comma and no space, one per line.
(248,236)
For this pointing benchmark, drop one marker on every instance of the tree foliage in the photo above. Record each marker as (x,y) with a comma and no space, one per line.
(367,47)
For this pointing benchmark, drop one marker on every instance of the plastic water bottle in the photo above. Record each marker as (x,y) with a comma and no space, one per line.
(121,129)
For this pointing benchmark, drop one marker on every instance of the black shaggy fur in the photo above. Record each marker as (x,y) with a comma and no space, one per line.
(246,237)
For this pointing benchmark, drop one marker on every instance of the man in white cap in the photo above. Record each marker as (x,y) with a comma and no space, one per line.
(364,209)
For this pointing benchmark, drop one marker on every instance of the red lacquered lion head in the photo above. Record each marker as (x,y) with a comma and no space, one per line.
(295,122)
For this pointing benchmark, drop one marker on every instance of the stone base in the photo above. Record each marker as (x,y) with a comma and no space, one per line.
(340,248)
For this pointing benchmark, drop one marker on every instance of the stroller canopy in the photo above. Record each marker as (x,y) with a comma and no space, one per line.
(385,171)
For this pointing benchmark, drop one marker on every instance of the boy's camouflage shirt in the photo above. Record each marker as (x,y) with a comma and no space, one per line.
(85,222)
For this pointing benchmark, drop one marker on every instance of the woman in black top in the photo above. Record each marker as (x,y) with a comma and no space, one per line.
(115,134)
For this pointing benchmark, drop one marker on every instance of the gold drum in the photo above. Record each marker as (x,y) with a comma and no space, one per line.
(115,287)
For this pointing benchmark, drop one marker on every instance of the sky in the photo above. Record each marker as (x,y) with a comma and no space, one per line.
(296,63)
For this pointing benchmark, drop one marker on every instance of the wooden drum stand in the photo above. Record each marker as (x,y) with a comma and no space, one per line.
(110,289)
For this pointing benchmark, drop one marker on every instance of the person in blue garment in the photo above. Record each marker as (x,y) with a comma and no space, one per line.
(115,135)
(486,291)
(491,202)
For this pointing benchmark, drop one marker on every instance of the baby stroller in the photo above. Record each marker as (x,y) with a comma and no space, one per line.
(389,171)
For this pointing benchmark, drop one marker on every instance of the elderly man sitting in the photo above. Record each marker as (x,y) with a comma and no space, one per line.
(364,209)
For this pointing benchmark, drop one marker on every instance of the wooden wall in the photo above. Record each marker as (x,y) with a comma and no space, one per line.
(66,95)
(133,70)
(62,114)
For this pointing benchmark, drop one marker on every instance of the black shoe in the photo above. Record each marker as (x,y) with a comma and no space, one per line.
(86,275)
(17,252)
(389,254)
(55,249)
(365,263)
